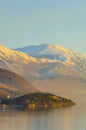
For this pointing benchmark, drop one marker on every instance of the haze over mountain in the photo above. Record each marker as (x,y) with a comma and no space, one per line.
(68,87)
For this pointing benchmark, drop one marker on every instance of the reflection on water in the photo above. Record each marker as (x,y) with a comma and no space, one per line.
(72,118)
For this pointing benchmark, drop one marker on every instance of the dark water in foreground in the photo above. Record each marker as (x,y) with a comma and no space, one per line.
(72,118)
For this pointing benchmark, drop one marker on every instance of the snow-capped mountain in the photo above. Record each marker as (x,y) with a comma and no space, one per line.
(57,53)
(63,74)
(21,63)
(43,68)
(54,75)
(46,51)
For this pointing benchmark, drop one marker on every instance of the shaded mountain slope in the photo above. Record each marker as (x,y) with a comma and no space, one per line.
(13,83)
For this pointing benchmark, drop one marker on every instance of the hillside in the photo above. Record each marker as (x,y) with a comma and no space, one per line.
(13,84)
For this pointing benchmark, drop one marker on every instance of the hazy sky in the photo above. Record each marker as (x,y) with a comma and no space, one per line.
(27,22)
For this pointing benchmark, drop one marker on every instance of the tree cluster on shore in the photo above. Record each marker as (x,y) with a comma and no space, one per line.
(38,100)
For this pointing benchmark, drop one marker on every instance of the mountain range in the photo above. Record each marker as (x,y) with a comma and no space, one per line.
(69,61)
(48,67)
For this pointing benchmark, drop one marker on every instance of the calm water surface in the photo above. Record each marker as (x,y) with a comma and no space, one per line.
(72,118)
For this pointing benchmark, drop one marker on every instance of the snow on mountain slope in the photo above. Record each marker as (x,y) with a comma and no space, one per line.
(57,53)
(11,55)
(40,68)
(51,51)
(46,49)
(20,63)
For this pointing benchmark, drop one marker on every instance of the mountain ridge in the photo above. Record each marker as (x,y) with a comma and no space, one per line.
(43,68)
(60,54)
(57,76)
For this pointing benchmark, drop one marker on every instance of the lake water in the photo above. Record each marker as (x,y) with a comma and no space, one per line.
(72,118)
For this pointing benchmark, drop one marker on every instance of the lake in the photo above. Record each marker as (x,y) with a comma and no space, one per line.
(71,118)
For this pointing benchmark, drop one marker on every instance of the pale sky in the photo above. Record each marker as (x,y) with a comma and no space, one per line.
(28,22)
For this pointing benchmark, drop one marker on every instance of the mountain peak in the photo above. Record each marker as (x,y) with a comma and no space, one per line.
(44,49)
(49,60)
(59,54)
